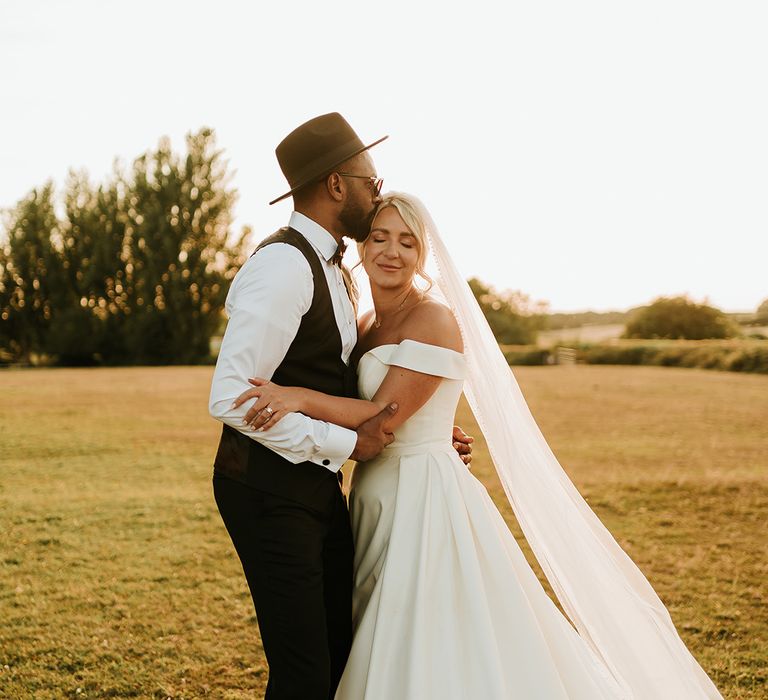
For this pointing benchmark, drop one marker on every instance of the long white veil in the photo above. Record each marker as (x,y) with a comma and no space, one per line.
(605,595)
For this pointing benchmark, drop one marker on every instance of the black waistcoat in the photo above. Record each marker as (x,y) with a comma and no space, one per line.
(313,360)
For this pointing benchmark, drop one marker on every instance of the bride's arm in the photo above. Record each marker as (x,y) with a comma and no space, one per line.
(430,323)
(273,401)
(346,412)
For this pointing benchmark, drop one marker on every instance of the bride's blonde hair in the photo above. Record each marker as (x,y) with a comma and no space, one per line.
(408,211)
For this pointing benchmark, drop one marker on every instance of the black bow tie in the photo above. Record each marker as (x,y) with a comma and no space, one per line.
(339,254)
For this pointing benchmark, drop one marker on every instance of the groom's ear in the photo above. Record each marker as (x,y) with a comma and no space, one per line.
(335,187)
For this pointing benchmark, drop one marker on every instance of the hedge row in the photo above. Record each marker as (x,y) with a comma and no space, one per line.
(528,356)
(732,358)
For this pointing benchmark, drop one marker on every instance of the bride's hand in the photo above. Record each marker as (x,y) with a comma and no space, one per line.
(273,402)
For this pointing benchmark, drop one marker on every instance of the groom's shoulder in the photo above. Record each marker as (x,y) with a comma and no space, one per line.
(282,235)
(278,253)
(278,271)
(285,243)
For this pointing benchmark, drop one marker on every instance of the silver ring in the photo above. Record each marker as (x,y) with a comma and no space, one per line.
(269,410)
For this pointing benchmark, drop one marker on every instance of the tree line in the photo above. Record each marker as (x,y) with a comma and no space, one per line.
(134,270)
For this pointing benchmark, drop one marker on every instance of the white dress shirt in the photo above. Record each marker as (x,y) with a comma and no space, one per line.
(266,301)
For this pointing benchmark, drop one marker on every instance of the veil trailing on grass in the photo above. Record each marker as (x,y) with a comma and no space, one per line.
(605,595)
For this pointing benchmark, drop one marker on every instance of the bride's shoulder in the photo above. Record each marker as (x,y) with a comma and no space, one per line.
(432,322)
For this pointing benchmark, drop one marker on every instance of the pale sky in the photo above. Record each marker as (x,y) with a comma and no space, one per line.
(592,154)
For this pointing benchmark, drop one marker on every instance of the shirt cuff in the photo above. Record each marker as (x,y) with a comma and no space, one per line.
(339,444)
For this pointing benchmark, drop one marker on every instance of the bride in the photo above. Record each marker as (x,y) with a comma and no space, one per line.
(445,605)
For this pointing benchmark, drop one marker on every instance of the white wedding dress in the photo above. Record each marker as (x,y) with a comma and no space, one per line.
(445,604)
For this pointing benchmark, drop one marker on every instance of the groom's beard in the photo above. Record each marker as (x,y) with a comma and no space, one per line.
(356,222)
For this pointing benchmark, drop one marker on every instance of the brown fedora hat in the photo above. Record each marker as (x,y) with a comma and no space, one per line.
(316,148)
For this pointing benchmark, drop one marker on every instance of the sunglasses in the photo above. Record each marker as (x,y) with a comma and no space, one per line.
(376,182)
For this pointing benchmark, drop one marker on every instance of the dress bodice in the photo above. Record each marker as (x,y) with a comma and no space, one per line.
(432,424)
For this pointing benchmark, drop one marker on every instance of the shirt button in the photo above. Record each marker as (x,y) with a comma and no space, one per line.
(326,462)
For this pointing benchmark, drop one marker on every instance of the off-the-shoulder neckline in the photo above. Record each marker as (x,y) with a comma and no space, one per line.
(410,340)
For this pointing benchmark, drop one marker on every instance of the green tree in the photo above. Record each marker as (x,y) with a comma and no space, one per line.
(512,316)
(761,315)
(31,280)
(178,219)
(137,269)
(679,317)
(86,327)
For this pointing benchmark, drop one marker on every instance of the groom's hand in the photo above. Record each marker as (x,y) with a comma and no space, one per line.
(462,443)
(372,438)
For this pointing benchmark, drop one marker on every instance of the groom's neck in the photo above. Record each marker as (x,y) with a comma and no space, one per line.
(326,219)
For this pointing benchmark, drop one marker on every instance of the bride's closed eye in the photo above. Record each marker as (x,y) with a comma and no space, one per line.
(402,243)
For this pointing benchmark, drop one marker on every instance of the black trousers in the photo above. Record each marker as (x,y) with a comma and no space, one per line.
(298,564)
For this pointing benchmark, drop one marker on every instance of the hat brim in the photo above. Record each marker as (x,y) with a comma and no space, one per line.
(328,170)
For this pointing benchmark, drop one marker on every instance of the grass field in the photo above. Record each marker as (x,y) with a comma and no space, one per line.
(117,578)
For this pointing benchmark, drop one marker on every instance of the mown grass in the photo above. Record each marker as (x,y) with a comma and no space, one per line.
(117,578)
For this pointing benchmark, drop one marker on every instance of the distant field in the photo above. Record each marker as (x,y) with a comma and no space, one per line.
(600,333)
(580,334)
(117,578)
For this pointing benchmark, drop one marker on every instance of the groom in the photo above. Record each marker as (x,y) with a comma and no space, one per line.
(291,311)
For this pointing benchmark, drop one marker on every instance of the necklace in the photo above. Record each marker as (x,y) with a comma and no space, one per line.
(377,322)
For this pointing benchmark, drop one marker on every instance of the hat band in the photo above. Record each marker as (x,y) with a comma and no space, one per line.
(318,167)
